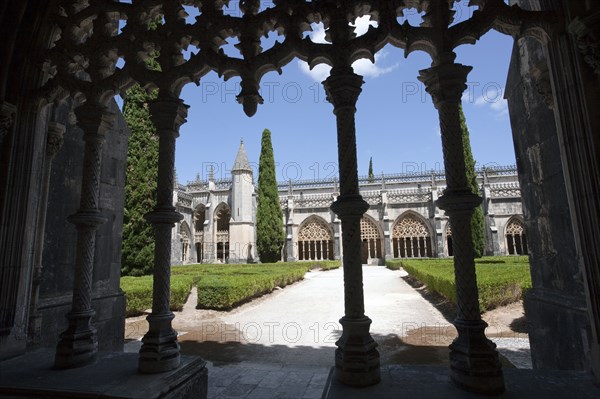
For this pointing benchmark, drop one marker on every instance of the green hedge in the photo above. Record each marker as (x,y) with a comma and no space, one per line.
(224,291)
(138,293)
(500,280)
(221,286)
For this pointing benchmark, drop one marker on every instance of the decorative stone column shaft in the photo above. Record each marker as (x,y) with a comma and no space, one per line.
(78,344)
(356,358)
(9,275)
(54,142)
(474,363)
(160,350)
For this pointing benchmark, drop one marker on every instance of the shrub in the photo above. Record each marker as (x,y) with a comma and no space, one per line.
(500,280)
(219,286)
(138,293)
(225,291)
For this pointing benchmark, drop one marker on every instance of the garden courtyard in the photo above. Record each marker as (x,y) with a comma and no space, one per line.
(283,343)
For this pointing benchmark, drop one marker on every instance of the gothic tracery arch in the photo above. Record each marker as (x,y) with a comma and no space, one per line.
(315,240)
(449,249)
(371,238)
(516,238)
(184,231)
(222,217)
(411,238)
(83,61)
(199,219)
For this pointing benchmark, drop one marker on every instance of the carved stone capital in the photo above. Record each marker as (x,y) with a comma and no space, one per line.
(7,118)
(95,120)
(458,201)
(343,88)
(348,207)
(168,114)
(445,82)
(164,215)
(55,138)
(586,31)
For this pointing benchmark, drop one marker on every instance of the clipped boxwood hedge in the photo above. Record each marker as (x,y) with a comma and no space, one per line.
(225,291)
(500,280)
(138,293)
(220,286)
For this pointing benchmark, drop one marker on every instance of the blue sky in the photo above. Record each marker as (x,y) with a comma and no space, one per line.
(396,122)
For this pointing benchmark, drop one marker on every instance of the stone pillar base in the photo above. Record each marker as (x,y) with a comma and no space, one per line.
(356,358)
(78,345)
(160,349)
(113,376)
(474,362)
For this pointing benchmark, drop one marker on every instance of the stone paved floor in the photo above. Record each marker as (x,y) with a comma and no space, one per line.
(282,345)
(266,381)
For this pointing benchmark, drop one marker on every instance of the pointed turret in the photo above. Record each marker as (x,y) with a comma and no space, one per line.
(242,239)
(241,162)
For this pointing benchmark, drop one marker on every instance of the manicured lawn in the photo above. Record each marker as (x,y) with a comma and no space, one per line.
(500,280)
(220,286)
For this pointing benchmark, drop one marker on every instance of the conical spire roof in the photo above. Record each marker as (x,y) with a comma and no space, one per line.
(241,162)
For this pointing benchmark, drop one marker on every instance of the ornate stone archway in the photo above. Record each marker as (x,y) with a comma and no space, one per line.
(315,241)
(449,249)
(199,219)
(372,240)
(185,232)
(411,238)
(222,218)
(516,238)
(82,63)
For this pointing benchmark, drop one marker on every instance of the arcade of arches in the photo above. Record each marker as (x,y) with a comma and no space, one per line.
(403,219)
(63,145)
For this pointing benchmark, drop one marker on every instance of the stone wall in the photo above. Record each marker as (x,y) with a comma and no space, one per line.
(60,236)
(557,301)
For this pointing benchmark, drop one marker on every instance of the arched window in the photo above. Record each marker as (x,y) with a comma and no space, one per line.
(449,248)
(371,239)
(411,238)
(184,231)
(516,240)
(223,215)
(199,218)
(315,241)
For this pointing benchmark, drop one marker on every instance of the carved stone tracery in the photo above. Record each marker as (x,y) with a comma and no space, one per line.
(314,231)
(83,63)
(410,226)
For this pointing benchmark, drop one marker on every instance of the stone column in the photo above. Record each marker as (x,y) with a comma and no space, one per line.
(7,118)
(78,344)
(9,276)
(474,363)
(54,142)
(160,349)
(356,359)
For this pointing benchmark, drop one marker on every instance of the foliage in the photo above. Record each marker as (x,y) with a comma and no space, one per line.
(137,257)
(477,220)
(269,217)
(140,187)
(371,175)
(223,291)
(138,293)
(500,280)
(219,286)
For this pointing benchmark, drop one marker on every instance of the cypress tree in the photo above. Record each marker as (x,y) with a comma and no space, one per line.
(269,217)
(477,222)
(371,175)
(137,257)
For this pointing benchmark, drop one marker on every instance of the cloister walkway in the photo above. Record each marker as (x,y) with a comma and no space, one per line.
(282,345)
